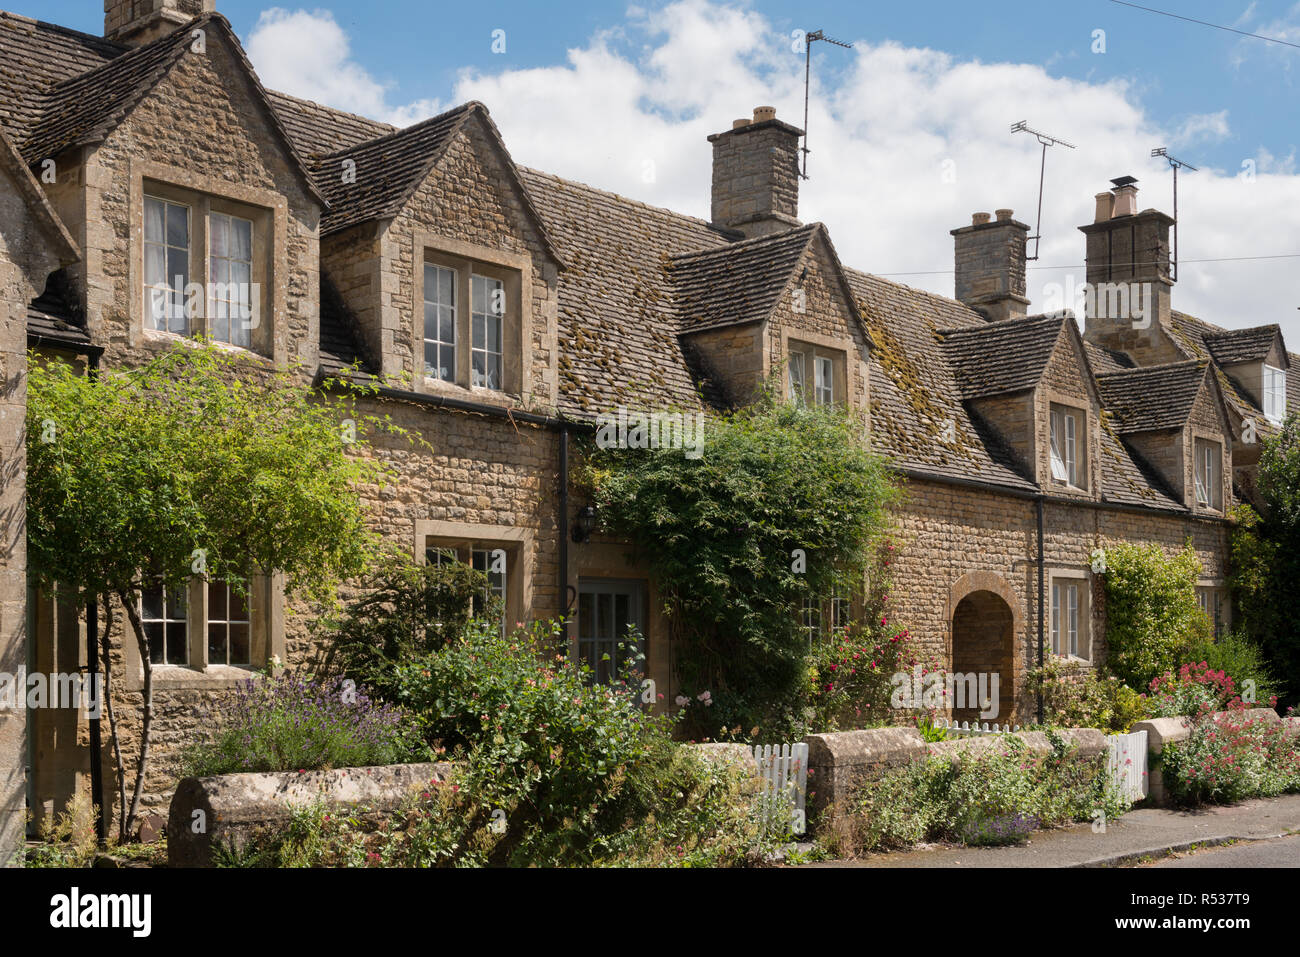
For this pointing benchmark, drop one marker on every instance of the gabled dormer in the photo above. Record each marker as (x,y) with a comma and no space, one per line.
(1030,381)
(776,307)
(1174,418)
(435,247)
(195,212)
(1256,361)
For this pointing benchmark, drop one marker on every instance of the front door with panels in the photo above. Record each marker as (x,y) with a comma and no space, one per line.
(607,608)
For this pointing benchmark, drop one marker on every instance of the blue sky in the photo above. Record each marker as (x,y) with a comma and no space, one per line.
(622,96)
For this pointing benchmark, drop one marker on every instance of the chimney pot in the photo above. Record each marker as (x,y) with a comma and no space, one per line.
(979,219)
(1125,196)
(740,124)
(1105,207)
(1004,215)
(762,113)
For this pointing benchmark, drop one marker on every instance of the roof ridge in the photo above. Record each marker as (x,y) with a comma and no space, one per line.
(465,107)
(1001,324)
(742,245)
(67,31)
(556,177)
(334,109)
(1157,367)
(1276,327)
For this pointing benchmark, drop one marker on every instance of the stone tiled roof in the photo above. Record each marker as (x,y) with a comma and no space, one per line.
(1152,397)
(997,358)
(35,56)
(738,283)
(619,329)
(1190,334)
(340,346)
(1104,360)
(320,130)
(1242,345)
(54,317)
(1126,478)
(84,108)
(914,392)
(388,170)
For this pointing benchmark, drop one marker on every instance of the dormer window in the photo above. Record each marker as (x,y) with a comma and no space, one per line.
(439,322)
(1209,485)
(825,367)
(472,329)
(1274,394)
(1067,445)
(825,381)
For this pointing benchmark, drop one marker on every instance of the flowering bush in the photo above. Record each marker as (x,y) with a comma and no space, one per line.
(1196,692)
(1229,757)
(289,723)
(850,674)
(1076,696)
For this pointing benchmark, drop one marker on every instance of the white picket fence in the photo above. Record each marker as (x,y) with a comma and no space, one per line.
(783,769)
(1127,760)
(965,729)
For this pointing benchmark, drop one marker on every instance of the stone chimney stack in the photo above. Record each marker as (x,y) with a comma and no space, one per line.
(756,175)
(1128,281)
(137,22)
(990,258)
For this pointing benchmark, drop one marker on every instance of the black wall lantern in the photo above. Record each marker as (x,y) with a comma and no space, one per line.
(584,524)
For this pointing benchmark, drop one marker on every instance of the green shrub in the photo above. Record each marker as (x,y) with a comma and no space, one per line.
(576,773)
(785,503)
(1152,615)
(992,797)
(1077,696)
(406,610)
(1239,656)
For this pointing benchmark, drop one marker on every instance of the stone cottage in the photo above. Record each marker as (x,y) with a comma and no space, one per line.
(504,309)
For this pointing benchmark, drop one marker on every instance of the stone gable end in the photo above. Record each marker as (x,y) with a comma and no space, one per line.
(204,128)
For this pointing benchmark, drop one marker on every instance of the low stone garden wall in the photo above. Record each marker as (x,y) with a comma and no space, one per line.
(229,809)
(839,762)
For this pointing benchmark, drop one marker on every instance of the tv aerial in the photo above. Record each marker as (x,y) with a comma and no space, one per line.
(1176,164)
(808,40)
(1046,141)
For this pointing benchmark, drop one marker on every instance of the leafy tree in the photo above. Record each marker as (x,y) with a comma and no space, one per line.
(196,462)
(785,503)
(1152,615)
(1266,559)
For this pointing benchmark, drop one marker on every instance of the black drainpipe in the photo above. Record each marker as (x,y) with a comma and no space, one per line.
(563,529)
(1042,618)
(92,672)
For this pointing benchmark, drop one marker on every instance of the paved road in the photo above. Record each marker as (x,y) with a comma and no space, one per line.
(1282,852)
(1141,834)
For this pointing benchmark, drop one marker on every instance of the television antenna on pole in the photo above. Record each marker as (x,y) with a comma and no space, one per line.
(1176,164)
(1043,138)
(808,40)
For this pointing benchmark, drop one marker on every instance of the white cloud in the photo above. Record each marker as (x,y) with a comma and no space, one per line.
(1203,127)
(629,110)
(307,54)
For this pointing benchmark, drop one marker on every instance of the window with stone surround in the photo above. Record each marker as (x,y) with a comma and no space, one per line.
(1068,445)
(210,628)
(472,318)
(1274,394)
(1071,634)
(824,366)
(1207,471)
(494,560)
(1214,604)
(205,266)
